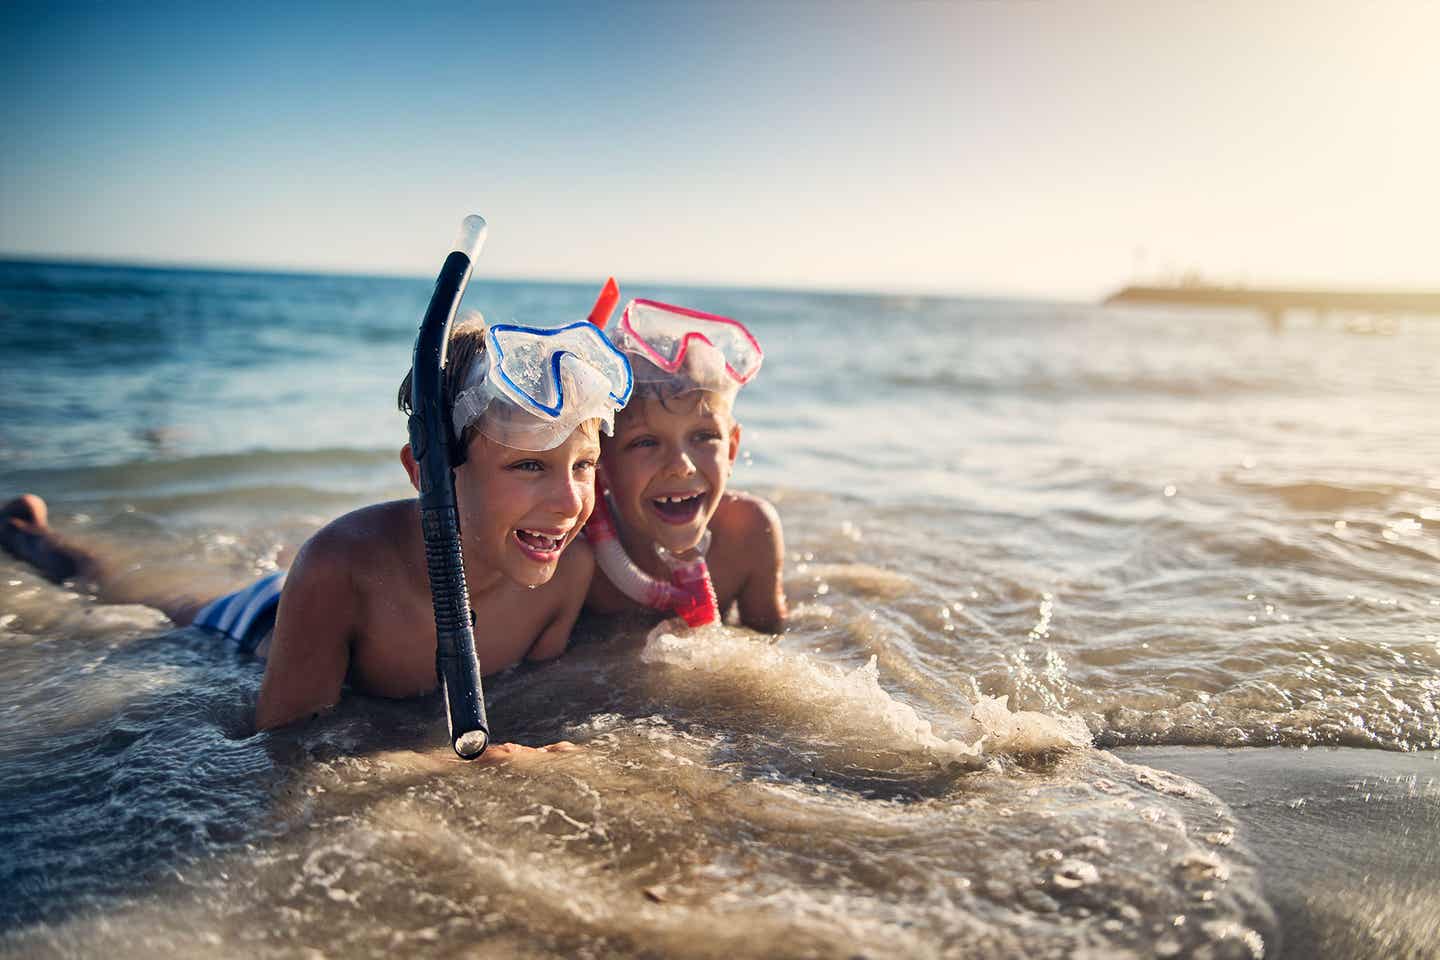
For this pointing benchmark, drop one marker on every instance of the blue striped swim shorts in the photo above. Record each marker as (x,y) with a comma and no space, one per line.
(247,615)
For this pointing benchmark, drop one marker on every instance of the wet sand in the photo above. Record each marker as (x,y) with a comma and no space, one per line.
(1348,841)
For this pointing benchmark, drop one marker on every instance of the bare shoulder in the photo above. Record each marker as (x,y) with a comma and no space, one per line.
(749,541)
(321,610)
(747,516)
(379,522)
(368,538)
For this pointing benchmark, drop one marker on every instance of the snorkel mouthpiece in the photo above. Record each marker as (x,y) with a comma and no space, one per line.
(455,660)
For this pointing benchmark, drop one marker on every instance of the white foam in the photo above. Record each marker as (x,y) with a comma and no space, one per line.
(854,699)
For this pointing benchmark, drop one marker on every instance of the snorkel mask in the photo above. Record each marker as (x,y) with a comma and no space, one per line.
(679,350)
(535,385)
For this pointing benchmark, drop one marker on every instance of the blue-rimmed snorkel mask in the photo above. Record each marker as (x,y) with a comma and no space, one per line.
(535,385)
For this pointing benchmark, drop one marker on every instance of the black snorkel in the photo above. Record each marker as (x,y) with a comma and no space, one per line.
(430,437)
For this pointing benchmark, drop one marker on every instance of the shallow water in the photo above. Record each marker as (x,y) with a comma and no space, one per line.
(1136,527)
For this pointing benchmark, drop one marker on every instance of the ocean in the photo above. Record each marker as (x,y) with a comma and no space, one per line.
(1023,540)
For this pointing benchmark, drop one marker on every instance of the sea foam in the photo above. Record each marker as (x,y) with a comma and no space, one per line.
(851,703)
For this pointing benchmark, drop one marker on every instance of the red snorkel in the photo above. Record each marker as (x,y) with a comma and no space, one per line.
(604,308)
(690,592)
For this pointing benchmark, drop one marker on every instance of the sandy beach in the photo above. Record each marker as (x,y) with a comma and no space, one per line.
(1348,841)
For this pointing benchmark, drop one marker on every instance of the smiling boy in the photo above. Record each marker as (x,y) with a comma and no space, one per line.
(669,461)
(356,605)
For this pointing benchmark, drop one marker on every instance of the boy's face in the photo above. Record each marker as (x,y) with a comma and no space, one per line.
(520,508)
(668,463)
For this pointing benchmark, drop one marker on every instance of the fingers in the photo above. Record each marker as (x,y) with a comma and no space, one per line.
(505,752)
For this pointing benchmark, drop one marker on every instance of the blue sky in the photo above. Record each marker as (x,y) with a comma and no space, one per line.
(1022,148)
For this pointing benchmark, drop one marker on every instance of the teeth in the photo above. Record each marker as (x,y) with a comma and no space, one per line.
(546,542)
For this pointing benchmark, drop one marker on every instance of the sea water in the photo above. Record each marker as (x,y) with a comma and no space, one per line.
(1017,534)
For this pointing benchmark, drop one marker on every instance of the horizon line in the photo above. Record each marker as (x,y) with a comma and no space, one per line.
(202,266)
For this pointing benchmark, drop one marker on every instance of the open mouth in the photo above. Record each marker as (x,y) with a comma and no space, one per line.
(539,546)
(678,508)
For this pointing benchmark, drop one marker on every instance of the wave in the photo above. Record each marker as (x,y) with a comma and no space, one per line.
(148,476)
(1185,385)
(1321,496)
(86,280)
(851,706)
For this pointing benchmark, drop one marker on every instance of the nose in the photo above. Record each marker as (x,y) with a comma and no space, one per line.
(567,495)
(679,464)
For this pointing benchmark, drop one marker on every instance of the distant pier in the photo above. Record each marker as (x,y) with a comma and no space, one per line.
(1275,303)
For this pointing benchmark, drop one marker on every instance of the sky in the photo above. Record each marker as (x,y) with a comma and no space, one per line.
(1030,149)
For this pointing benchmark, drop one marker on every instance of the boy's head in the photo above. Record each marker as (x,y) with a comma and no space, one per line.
(675,443)
(463,352)
(526,405)
(526,387)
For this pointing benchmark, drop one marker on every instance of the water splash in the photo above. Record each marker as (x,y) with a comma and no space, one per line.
(852,705)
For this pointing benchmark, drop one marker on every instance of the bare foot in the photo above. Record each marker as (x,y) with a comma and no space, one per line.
(27,508)
(25,534)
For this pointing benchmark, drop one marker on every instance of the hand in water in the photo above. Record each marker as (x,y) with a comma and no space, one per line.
(505,752)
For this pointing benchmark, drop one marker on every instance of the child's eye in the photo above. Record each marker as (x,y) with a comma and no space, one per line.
(639,442)
(530,466)
(584,466)
(707,436)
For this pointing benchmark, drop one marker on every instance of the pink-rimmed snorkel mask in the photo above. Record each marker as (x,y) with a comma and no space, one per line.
(685,349)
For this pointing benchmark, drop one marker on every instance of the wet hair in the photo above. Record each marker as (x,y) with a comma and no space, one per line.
(465,348)
(673,389)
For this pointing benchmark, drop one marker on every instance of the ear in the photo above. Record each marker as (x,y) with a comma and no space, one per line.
(734,442)
(407,459)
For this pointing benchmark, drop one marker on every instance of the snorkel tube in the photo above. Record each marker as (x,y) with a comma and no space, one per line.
(690,593)
(430,437)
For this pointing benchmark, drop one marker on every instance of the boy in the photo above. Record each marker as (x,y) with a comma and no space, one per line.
(670,458)
(356,602)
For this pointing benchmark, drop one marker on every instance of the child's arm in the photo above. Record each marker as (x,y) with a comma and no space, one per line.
(762,596)
(310,650)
